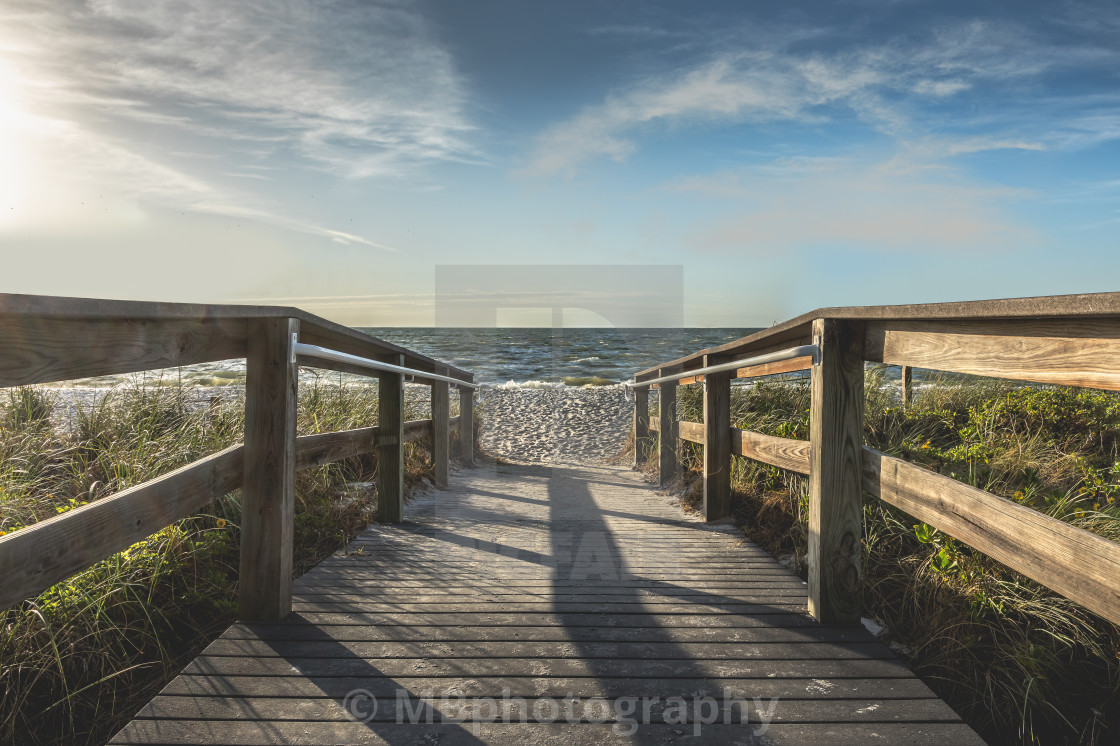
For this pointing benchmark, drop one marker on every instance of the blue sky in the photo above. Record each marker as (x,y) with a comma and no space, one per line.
(331,155)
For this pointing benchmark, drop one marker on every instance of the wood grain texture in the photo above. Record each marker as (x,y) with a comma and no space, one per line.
(693,432)
(1078,564)
(641,426)
(907,384)
(42,350)
(771,369)
(17,309)
(324,448)
(797,331)
(717,444)
(835,474)
(1081,352)
(268,488)
(390,447)
(441,432)
(466,426)
(785,453)
(667,442)
(35,558)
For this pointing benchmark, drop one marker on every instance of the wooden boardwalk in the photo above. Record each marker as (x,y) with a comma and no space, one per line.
(525,598)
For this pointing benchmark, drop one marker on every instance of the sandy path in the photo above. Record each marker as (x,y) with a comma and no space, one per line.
(555,425)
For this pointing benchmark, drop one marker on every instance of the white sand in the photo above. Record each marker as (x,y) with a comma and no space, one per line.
(555,425)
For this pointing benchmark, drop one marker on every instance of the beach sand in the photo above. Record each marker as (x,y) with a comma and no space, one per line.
(555,425)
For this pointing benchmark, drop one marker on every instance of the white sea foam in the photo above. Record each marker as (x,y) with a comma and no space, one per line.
(530,385)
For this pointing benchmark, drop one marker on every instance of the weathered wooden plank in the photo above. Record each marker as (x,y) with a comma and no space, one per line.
(247,732)
(323,448)
(473,686)
(785,453)
(835,474)
(670,650)
(641,426)
(1081,352)
(45,349)
(268,489)
(667,441)
(390,446)
(517,710)
(35,558)
(772,369)
(798,330)
(563,667)
(441,432)
(466,426)
(777,619)
(784,604)
(652,633)
(693,432)
(1078,564)
(717,444)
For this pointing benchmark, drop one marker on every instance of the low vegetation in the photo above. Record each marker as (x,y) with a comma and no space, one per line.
(1020,663)
(77,661)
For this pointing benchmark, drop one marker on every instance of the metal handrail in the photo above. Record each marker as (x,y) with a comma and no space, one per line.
(306,350)
(773,357)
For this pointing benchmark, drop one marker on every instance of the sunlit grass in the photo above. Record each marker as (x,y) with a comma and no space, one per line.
(77,661)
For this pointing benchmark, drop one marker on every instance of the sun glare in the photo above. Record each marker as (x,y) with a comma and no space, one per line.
(15,150)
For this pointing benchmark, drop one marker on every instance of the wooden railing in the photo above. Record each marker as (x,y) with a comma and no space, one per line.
(44,339)
(1063,340)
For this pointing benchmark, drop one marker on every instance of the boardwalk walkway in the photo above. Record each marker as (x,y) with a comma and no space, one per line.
(547,595)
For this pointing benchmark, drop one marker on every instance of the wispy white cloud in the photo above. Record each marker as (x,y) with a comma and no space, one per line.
(888,85)
(356,90)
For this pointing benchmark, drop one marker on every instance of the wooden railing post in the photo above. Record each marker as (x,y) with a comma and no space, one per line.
(907,385)
(466,425)
(641,425)
(390,445)
(268,492)
(717,442)
(666,431)
(836,474)
(441,431)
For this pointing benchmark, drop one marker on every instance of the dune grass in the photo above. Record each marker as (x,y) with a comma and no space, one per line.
(77,661)
(1020,663)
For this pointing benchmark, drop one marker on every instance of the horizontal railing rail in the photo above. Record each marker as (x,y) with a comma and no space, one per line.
(54,339)
(1060,340)
(794,353)
(306,353)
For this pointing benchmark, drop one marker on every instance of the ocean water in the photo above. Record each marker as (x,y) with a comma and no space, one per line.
(555,357)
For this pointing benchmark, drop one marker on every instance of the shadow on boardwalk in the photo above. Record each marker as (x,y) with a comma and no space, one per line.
(565,605)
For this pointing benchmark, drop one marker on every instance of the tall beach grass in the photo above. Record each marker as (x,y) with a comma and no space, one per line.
(77,661)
